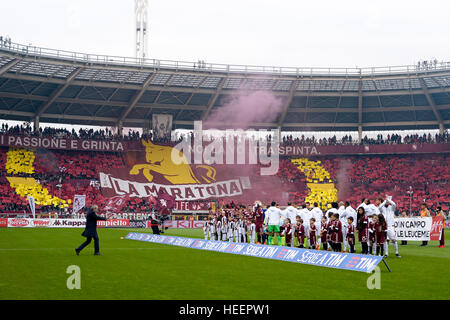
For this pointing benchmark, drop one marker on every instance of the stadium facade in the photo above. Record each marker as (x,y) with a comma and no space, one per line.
(55,86)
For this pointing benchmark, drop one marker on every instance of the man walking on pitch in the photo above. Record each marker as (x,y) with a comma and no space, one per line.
(90,232)
(272,220)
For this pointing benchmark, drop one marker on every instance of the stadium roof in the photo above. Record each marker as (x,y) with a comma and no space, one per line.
(73,88)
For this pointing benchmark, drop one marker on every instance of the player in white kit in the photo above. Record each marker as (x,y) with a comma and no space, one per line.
(230,229)
(206,228)
(343,219)
(350,212)
(306,216)
(317,214)
(241,230)
(369,208)
(235,230)
(218,230)
(290,212)
(212,229)
(224,227)
(252,232)
(387,209)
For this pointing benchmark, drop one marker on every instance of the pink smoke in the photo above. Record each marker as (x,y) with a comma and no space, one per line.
(342,180)
(244,109)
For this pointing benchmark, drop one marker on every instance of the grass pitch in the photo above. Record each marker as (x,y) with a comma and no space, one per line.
(33,264)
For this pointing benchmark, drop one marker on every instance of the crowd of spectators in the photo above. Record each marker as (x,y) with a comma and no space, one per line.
(408,139)
(109,134)
(66,173)
(370,175)
(357,177)
(380,139)
(87,134)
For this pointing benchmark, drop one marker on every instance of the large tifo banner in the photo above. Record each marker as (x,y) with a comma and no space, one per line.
(416,229)
(153,171)
(338,260)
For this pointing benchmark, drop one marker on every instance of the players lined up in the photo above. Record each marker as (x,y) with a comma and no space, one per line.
(306,227)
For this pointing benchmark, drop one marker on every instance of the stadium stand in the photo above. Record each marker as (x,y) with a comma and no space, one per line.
(347,140)
(288,140)
(53,177)
(42,85)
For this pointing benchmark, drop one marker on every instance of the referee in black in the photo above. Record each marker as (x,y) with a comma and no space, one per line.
(90,232)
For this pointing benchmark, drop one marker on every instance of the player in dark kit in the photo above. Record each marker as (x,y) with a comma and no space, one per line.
(351,234)
(380,233)
(312,234)
(324,233)
(371,228)
(336,235)
(288,233)
(330,230)
(362,225)
(300,232)
(258,216)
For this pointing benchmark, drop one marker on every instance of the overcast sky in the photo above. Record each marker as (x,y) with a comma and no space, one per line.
(315,33)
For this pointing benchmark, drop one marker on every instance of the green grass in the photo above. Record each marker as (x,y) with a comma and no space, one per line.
(33,265)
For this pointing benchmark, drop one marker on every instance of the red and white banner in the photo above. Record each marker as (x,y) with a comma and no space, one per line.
(18,222)
(413,229)
(3,222)
(48,223)
(113,223)
(436,228)
(419,229)
(62,223)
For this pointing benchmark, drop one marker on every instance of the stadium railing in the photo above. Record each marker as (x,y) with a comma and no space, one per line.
(34,51)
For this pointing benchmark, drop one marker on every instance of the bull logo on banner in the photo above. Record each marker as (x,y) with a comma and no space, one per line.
(159,160)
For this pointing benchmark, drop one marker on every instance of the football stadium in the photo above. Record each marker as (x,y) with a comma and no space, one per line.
(209,181)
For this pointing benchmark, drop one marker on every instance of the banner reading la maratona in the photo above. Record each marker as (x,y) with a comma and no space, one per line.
(413,229)
(113,186)
(154,171)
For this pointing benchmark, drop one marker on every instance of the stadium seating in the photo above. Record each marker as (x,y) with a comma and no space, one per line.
(54,177)
(373,176)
